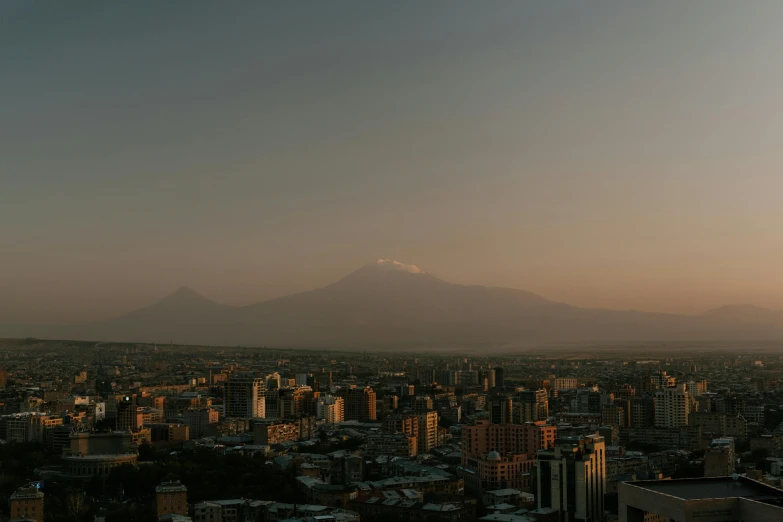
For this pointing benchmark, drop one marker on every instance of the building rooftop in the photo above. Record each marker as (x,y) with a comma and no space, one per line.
(706,488)
(27,493)
(504,492)
(170,487)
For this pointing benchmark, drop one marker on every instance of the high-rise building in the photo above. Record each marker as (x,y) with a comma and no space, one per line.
(423,403)
(428,431)
(199,420)
(27,503)
(272,381)
(402,423)
(294,401)
(272,403)
(171,498)
(466,377)
(719,458)
(391,402)
(531,405)
(718,425)
(571,478)
(488,375)
(500,379)
(126,413)
(565,383)
(245,396)
(331,409)
(696,388)
(501,410)
(642,412)
(423,426)
(612,415)
(360,404)
(672,407)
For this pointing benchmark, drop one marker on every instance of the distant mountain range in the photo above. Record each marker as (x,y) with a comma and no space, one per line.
(392,304)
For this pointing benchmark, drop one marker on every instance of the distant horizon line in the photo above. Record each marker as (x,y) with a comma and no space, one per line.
(403,269)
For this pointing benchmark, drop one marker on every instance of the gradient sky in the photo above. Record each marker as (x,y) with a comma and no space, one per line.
(618,154)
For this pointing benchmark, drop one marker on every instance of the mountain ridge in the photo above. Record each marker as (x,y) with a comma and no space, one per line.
(391,303)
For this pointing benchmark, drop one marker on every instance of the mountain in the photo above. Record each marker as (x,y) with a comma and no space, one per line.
(177,318)
(747,314)
(388,303)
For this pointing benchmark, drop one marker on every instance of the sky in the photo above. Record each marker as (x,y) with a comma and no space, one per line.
(617,154)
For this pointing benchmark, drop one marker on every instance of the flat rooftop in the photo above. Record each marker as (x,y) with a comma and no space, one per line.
(704,488)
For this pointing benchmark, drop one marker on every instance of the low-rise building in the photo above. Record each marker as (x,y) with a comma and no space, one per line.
(275,431)
(171,498)
(407,506)
(392,444)
(207,512)
(27,503)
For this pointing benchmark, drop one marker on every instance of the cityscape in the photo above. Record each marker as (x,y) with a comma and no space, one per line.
(375,261)
(127,431)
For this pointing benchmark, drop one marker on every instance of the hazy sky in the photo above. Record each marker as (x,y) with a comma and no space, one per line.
(616,154)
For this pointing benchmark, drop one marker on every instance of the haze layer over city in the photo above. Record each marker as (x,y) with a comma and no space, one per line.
(364,261)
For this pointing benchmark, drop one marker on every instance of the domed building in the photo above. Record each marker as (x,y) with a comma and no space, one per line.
(91,454)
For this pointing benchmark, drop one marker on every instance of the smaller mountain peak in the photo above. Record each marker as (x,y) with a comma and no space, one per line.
(185,294)
(390,264)
(185,291)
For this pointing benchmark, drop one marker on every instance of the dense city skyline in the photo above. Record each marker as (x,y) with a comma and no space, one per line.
(617,155)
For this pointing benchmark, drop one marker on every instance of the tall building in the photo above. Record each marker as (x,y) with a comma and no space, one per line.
(126,413)
(428,431)
(273,381)
(171,498)
(360,404)
(696,388)
(613,416)
(330,409)
(27,503)
(200,421)
(500,379)
(531,405)
(423,403)
(565,383)
(672,407)
(294,401)
(402,423)
(719,458)
(642,412)
(571,478)
(719,425)
(488,375)
(422,426)
(245,396)
(501,410)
